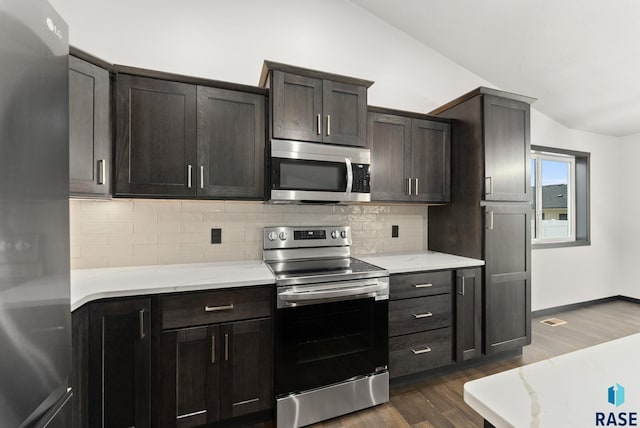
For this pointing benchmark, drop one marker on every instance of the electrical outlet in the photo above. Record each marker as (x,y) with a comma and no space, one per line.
(216,236)
(395,231)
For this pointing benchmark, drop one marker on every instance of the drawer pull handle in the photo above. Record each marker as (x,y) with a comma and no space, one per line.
(213,349)
(218,308)
(425,315)
(422,285)
(226,346)
(420,351)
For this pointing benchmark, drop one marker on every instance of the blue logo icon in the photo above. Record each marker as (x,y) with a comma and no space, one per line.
(616,395)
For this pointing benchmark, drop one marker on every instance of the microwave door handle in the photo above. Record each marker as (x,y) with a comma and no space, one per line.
(347,162)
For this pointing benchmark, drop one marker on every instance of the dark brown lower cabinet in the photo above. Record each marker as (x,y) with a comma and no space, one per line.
(507,277)
(112,364)
(468,314)
(420,318)
(215,372)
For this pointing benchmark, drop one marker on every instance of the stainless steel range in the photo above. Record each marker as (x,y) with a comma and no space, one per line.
(331,325)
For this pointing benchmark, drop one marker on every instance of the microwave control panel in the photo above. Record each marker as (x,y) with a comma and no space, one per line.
(361,178)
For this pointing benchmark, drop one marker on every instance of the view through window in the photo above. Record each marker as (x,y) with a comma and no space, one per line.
(552,197)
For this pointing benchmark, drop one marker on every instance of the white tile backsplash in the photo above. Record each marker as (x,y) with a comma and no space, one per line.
(130,232)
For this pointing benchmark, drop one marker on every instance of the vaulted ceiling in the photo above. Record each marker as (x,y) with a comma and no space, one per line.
(579,58)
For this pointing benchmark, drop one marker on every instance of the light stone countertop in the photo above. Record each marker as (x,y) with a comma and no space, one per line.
(93,284)
(571,390)
(423,261)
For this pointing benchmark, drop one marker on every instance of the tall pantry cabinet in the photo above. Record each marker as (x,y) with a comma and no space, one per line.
(489,214)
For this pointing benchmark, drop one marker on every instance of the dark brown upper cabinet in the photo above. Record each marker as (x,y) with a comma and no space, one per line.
(496,128)
(309,105)
(89,126)
(507,147)
(231,138)
(182,139)
(410,157)
(155,137)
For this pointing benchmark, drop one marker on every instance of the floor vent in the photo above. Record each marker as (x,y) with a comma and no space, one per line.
(553,322)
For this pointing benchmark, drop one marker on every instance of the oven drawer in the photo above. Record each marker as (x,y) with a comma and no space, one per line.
(211,307)
(423,313)
(404,286)
(417,352)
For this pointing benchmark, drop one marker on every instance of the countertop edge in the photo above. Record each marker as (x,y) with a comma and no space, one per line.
(113,294)
(484,411)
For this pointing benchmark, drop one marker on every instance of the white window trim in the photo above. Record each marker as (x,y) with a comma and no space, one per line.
(571,199)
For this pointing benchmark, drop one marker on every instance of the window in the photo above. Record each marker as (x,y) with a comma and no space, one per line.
(559,197)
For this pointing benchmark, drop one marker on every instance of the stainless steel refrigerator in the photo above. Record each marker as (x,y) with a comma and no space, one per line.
(35,339)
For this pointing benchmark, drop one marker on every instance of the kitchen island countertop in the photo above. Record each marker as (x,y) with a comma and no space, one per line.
(579,389)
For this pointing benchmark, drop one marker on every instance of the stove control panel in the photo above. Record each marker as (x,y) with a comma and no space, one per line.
(305,237)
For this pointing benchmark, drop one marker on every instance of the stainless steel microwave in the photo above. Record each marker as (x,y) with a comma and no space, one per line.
(303,172)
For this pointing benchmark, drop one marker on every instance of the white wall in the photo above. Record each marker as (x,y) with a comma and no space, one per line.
(575,274)
(228,40)
(630,206)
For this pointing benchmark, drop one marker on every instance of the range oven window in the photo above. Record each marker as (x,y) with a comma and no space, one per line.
(321,344)
(296,174)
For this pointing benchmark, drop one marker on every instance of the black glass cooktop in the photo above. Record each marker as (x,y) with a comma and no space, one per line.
(322,270)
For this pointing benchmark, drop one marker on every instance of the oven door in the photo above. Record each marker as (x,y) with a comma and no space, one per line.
(318,172)
(325,343)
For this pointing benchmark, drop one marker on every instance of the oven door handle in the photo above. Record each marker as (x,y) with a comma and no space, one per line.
(347,162)
(367,290)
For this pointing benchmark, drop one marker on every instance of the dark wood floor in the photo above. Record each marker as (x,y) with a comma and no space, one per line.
(437,401)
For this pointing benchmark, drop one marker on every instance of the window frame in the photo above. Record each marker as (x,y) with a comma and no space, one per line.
(581,204)
(540,157)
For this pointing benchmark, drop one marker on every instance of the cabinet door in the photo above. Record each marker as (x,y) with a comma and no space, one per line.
(89,129)
(155,137)
(468,314)
(246,367)
(297,107)
(120,364)
(189,365)
(389,139)
(345,113)
(430,160)
(231,139)
(507,148)
(508,277)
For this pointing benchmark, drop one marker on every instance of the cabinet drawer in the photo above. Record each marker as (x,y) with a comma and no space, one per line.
(404,286)
(417,352)
(185,310)
(423,313)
